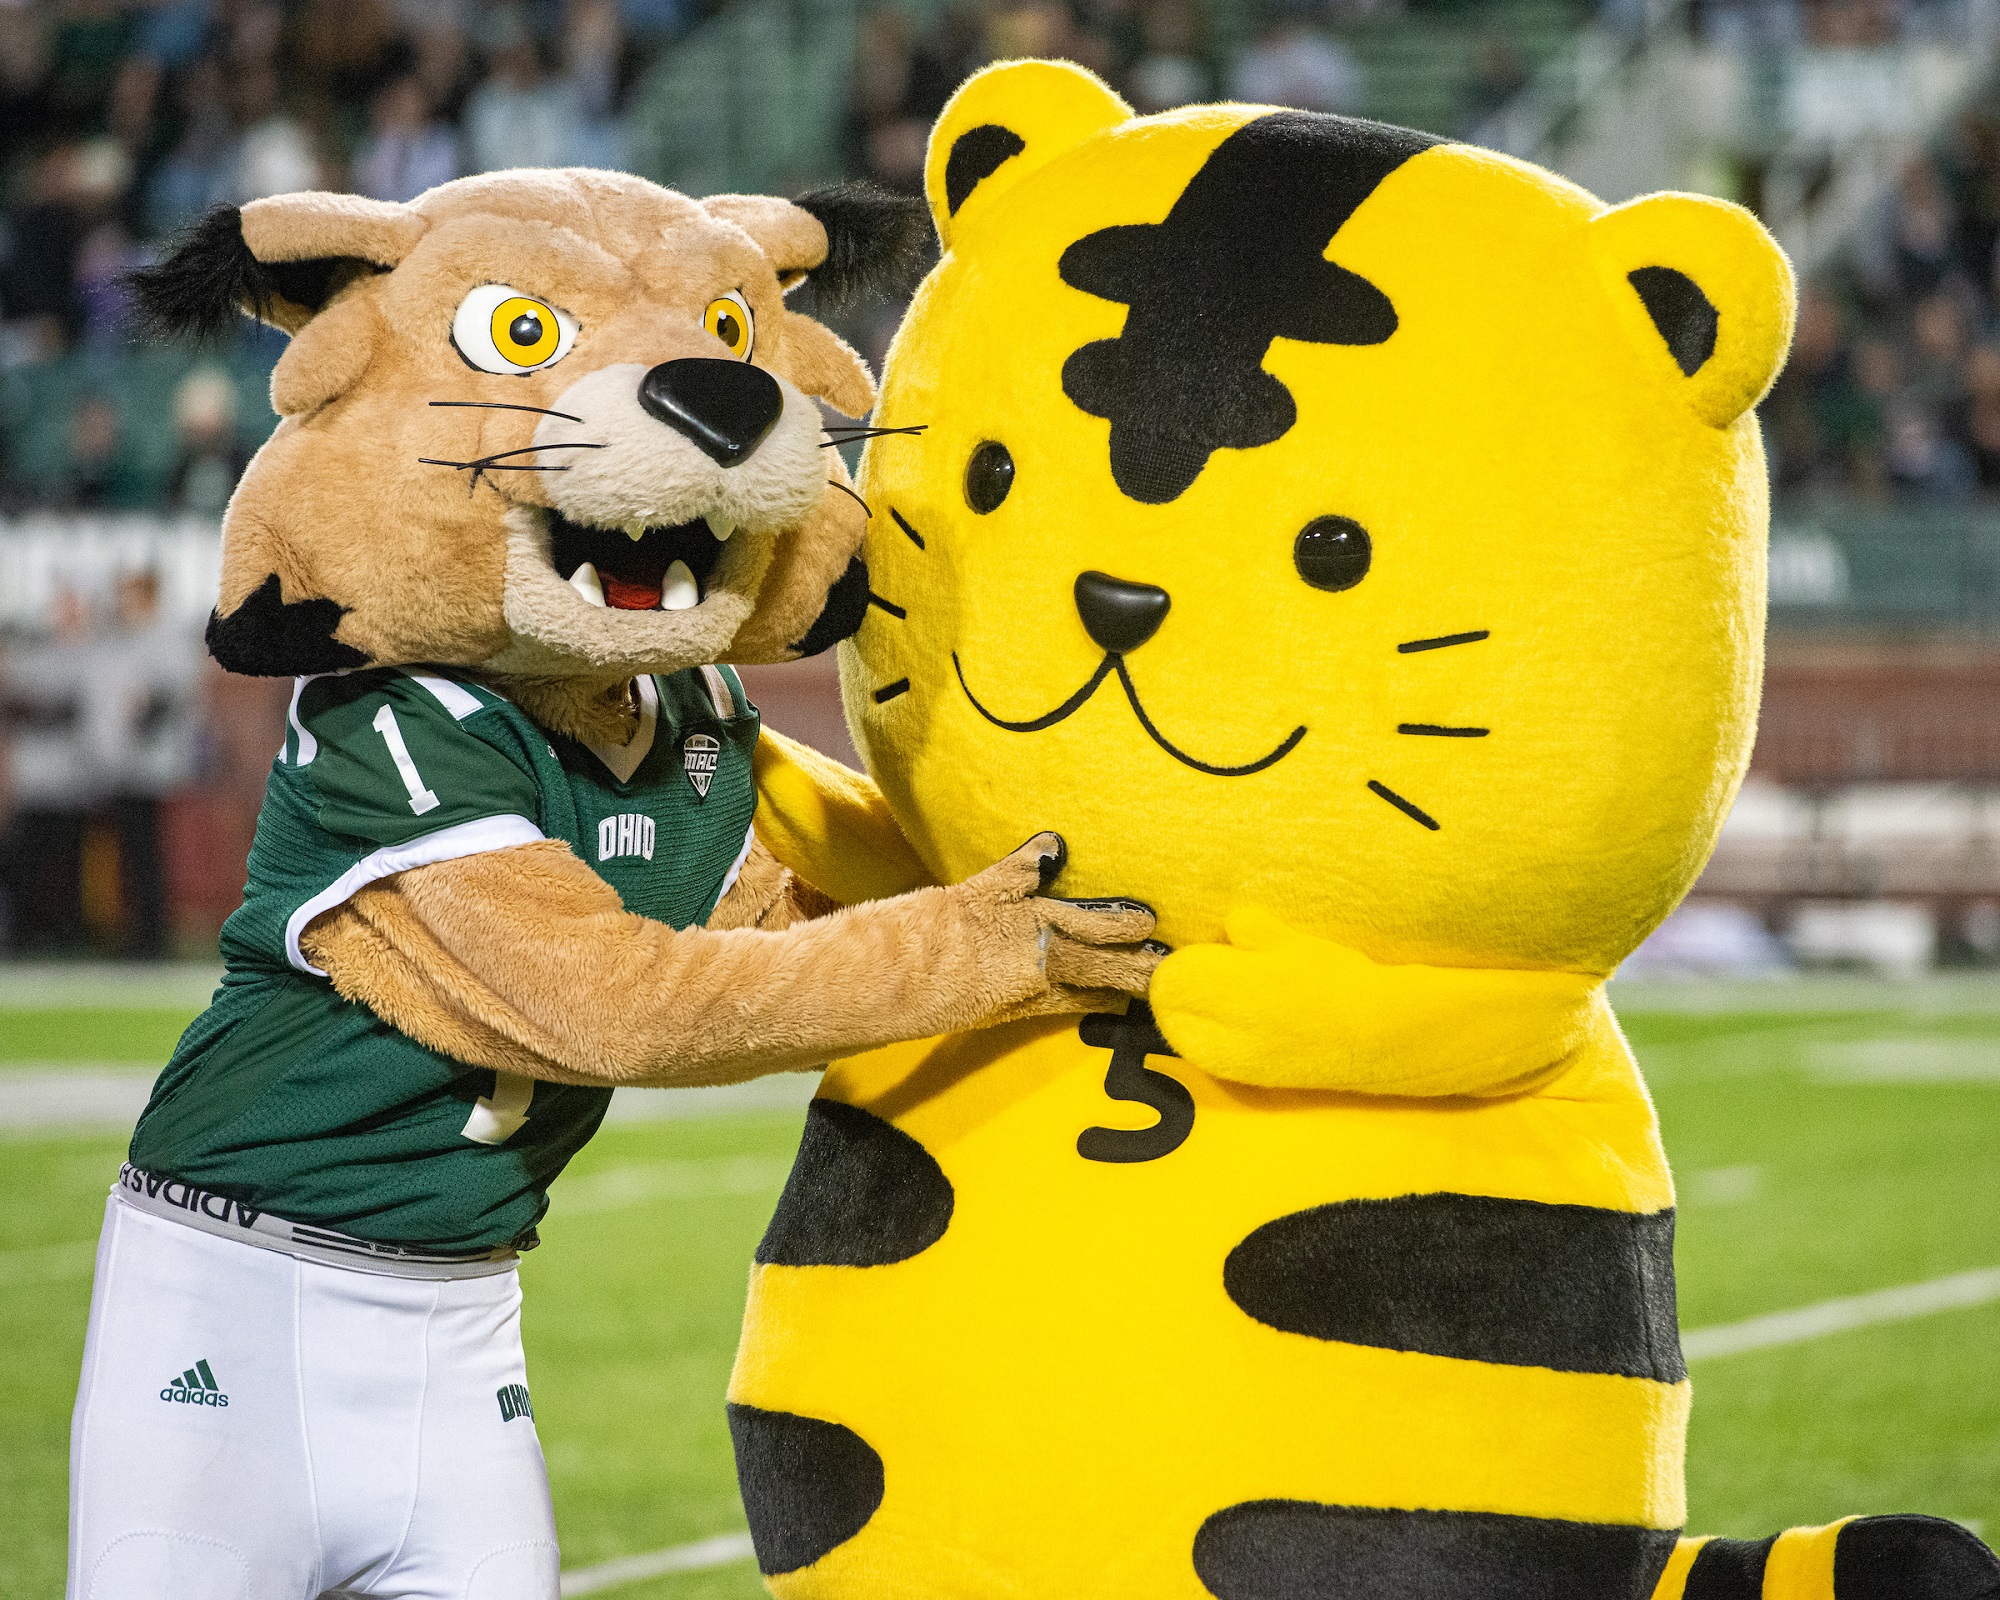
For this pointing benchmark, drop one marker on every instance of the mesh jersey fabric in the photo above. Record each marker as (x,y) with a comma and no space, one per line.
(294,1101)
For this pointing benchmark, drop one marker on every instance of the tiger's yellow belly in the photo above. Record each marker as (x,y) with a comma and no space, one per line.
(979,1362)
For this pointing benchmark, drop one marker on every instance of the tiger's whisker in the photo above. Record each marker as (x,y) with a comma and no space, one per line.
(890,606)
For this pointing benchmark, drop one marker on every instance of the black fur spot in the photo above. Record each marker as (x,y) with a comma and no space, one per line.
(846,606)
(1517,1282)
(1686,318)
(976,155)
(208,277)
(1729,1569)
(1302,1550)
(875,241)
(269,636)
(862,1194)
(808,1486)
(1911,1558)
(1239,261)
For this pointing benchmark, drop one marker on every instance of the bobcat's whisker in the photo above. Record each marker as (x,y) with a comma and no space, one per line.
(851,495)
(851,435)
(502,405)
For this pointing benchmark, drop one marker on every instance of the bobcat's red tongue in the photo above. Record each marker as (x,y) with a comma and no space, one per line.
(623,594)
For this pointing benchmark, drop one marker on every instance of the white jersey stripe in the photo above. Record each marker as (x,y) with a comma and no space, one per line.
(460,701)
(308,745)
(447,844)
(719,693)
(736,867)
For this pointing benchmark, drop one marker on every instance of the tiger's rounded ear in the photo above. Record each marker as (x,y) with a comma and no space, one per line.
(1006,121)
(1699,286)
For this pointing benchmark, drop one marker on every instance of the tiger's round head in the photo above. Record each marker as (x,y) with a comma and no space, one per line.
(1315,515)
(554,425)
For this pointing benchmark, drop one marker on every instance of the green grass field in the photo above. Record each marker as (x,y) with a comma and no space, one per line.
(1825,1145)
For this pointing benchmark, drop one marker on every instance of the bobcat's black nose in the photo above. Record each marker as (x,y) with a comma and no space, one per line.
(1119,616)
(724,407)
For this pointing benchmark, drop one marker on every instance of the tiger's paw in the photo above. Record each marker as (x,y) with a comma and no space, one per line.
(1863,1558)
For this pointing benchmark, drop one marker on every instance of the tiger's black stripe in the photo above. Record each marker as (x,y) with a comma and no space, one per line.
(862,1193)
(1728,1569)
(808,1485)
(1519,1282)
(1303,1550)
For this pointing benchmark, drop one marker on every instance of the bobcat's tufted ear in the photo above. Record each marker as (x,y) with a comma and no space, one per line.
(1704,292)
(281,260)
(1006,121)
(849,241)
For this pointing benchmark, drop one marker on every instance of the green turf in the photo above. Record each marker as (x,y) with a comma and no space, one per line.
(1818,1155)
(58,1035)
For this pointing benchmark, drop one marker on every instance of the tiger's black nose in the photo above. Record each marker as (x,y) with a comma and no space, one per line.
(1119,616)
(724,407)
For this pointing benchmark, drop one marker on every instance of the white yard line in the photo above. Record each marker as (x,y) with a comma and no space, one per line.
(720,1551)
(107,985)
(1959,1291)
(52,1098)
(695,1178)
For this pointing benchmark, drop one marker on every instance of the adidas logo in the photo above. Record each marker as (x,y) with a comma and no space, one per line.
(195,1387)
(513,1398)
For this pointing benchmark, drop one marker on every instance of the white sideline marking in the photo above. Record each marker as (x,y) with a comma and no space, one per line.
(60,1099)
(696,1178)
(81,1097)
(719,1551)
(1954,1293)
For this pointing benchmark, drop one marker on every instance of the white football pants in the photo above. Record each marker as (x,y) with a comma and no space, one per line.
(251,1426)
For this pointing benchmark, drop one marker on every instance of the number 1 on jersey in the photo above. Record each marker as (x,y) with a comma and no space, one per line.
(498,1116)
(421,799)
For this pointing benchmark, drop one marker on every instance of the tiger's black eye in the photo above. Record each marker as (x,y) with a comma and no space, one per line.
(1332,553)
(988,476)
(526,330)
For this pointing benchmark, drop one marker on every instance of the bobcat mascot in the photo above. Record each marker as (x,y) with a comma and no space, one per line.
(549,451)
(1354,544)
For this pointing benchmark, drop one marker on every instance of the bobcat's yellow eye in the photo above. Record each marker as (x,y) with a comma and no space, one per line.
(729,319)
(499,329)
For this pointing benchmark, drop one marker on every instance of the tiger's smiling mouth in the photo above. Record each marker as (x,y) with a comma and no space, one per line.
(1114,662)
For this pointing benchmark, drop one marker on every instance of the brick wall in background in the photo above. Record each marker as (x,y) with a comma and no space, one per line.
(1861,710)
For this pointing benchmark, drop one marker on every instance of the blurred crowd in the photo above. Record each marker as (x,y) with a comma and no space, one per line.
(104,722)
(1157,53)
(1893,389)
(123,120)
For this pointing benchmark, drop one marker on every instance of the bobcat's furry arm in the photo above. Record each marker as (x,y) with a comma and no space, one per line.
(524,960)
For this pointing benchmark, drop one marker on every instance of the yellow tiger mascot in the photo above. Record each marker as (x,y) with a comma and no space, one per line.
(1353,544)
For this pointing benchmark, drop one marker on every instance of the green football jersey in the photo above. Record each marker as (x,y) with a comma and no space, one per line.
(309,1107)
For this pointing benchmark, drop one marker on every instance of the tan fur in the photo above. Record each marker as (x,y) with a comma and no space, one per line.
(792,240)
(436,563)
(301,227)
(531,945)
(820,362)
